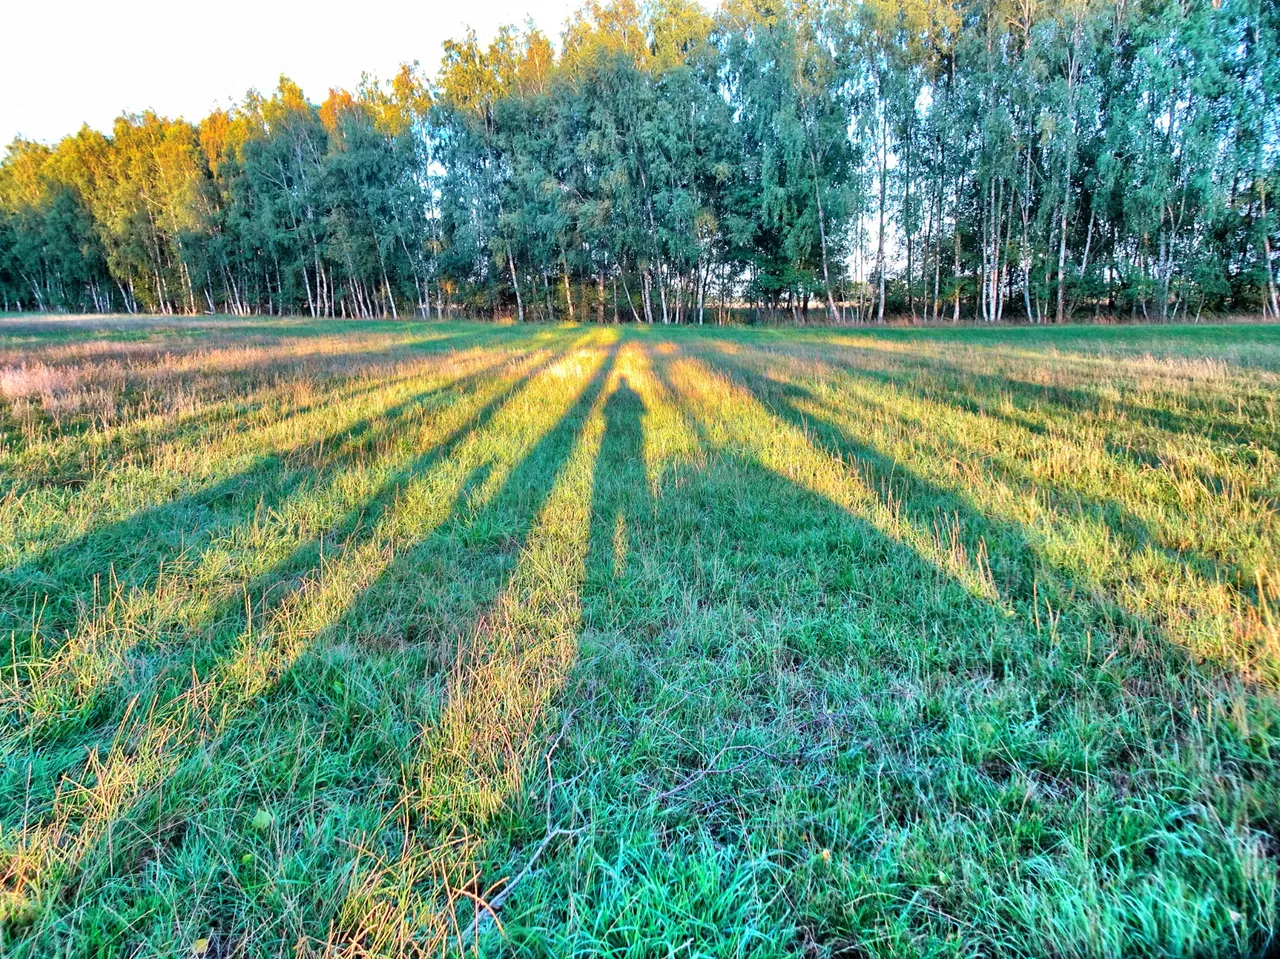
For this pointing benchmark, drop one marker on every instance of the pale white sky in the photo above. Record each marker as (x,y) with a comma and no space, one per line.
(67,62)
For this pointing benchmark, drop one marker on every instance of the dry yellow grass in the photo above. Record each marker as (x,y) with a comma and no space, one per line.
(386,639)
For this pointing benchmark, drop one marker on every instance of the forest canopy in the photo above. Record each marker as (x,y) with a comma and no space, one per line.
(794,160)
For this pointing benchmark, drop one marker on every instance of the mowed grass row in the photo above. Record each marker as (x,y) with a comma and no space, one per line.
(357,639)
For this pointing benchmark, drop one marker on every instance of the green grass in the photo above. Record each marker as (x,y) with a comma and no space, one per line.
(324,638)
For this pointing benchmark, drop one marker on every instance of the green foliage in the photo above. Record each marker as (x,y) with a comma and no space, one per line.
(938,158)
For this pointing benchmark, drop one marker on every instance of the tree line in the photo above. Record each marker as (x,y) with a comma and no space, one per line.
(842,160)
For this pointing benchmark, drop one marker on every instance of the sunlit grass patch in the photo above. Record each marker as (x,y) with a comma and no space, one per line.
(603,640)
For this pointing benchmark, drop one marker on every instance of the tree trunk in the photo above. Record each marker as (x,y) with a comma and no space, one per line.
(880,265)
(1266,248)
(822,238)
(1062,245)
(955,314)
(515,283)
(662,295)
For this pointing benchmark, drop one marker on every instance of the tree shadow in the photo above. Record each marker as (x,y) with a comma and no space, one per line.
(58,748)
(1119,518)
(482,538)
(1023,404)
(1019,566)
(713,599)
(71,464)
(663,702)
(66,467)
(51,589)
(979,652)
(682,675)
(1066,402)
(95,723)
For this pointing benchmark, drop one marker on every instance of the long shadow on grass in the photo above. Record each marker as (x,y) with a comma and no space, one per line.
(693,781)
(475,538)
(924,503)
(977,648)
(785,527)
(681,783)
(617,751)
(622,506)
(1139,648)
(1029,566)
(1021,571)
(292,697)
(935,379)
(61,740)
(64,467)
(49,591)
(951,385)
(484,543)
(1069,401)
(1133,530)
(661,757)
(67,465)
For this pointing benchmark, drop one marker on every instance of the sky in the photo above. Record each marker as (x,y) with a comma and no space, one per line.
(68,62)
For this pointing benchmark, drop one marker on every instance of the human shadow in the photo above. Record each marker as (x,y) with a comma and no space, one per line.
(622,511)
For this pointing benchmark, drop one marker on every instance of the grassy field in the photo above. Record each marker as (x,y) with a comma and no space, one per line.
(394,639)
